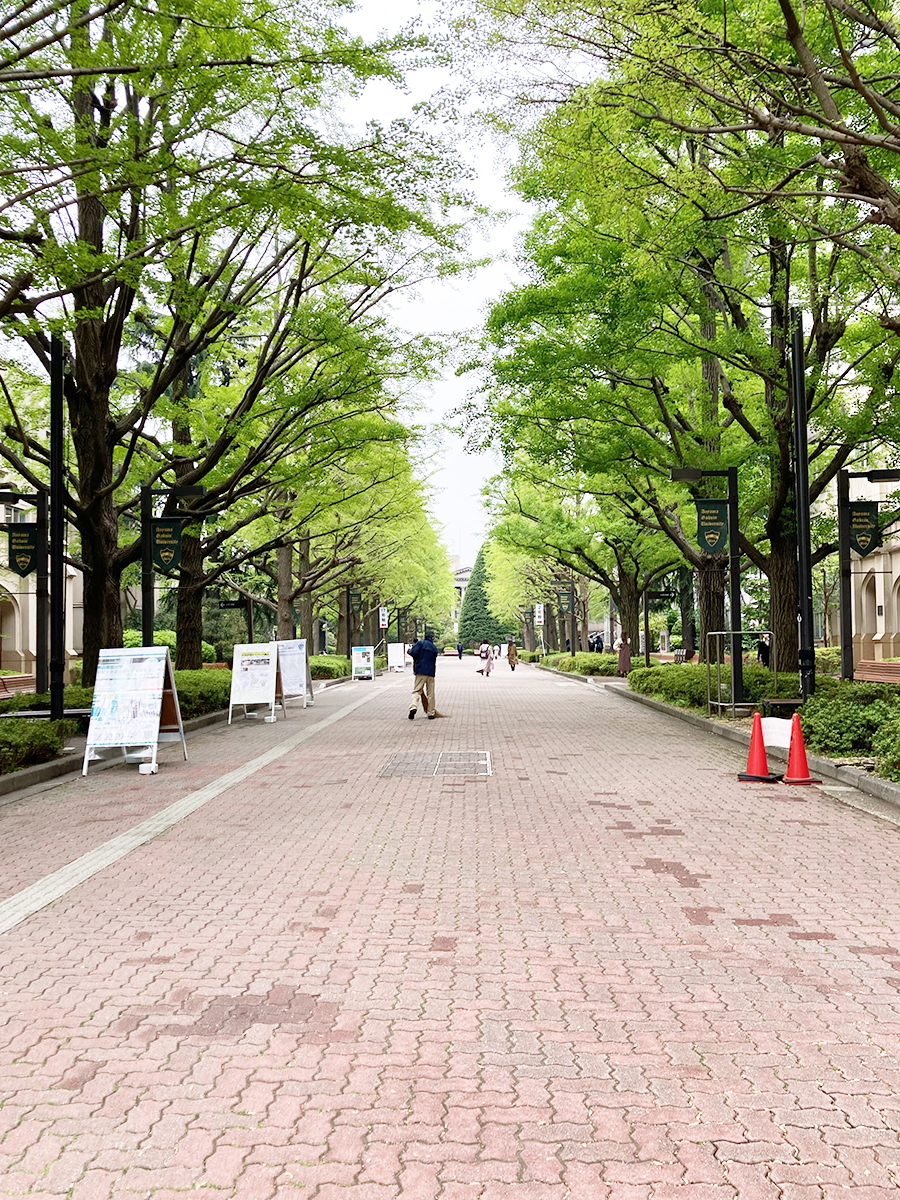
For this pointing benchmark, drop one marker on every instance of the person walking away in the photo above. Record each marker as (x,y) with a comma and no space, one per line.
(424,654)
(624,655)
(512,654)
(484,654)
(459,650)
(598,644)
(763,650)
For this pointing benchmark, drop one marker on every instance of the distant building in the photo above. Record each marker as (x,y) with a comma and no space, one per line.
(461,577)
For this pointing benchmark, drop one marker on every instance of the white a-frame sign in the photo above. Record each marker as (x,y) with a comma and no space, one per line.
(256,679)
(135,707)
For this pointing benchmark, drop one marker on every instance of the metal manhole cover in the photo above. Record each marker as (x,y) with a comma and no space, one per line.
(410,764)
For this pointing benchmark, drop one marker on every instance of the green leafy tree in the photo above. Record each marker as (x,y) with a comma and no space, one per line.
(477,622)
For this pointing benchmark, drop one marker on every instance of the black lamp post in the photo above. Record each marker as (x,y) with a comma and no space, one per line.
(806,633)
(694,475)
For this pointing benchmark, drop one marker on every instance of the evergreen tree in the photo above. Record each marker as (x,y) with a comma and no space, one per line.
(476,621)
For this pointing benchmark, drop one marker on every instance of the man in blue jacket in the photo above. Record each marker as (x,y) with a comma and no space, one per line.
(424,654)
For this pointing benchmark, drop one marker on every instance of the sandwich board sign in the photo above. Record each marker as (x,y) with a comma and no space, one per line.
(362,662)
(135,707)
(294,667)
(256,679)
(396,654)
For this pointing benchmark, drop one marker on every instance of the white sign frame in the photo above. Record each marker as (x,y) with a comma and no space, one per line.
(396,656)
(293,663)
(362,662)
(256,679)
(148,709)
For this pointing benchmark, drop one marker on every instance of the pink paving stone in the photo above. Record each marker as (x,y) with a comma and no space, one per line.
(459,980)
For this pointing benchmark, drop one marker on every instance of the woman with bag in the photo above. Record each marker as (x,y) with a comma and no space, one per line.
(512,655)
(484,653)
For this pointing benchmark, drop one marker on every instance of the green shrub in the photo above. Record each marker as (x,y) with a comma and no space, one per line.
(828,660)
(529,656)
(201,692)
(73,697)
(683,685)
(886,746)
(329,666)
(847,717)
(132,638)
(583,663)
(24,742)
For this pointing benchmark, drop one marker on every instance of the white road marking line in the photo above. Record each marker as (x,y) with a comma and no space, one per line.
(38,895)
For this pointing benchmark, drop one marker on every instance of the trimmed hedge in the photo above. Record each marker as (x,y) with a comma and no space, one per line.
(201,692)
(23,743)
(132,638)
(529,656)
(844,717)
(685,685)
(329,666)
(583,663)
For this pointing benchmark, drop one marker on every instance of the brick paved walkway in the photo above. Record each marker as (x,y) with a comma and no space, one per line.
(606,971)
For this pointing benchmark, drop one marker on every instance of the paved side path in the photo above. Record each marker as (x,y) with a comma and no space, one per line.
(607,970)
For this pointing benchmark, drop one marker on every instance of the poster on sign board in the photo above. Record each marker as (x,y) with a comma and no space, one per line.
(135,705)
(362,662)
(538,614)
(256,679)
(383,620)
(293,666)
(396,655)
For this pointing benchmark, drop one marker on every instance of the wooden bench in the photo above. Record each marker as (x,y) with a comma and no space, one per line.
(14,685)
(874,671)
(681,655)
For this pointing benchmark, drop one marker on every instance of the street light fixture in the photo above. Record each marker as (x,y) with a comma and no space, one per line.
(695,475)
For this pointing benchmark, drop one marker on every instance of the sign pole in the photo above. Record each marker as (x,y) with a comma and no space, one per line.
(42,597)
(57,535)
(807,651)
(843,502)
(646,629)
(146,566)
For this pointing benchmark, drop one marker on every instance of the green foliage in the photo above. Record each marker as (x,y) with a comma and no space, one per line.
(846,718)
(583,663)
(886,746)
(529,656)
(201,692)
(477,622)
(828,659)
(23,742)
(132,638)
(329,666)
(681,685)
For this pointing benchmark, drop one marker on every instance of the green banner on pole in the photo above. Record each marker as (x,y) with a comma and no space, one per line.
(566,604)
(165,544)
(23,548)
(356,602)
(712,526)
(864,526)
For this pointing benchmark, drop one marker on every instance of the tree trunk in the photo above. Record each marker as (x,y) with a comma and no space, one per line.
(783,602)
(189,615)
(305,625)
(342,637)
(283,557)
(551,628)
(630,610)
(102,591)
(711,587)
(686,608)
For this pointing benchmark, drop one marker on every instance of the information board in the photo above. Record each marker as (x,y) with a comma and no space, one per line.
(256,679)
(538,614)
(135,705)
(362,662)
(294,668)
(383,617)
(396,655)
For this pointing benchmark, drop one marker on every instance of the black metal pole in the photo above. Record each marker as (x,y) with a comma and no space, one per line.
(843,500)
(807,651)
(146,566)
(57,535)
(42,597)
(734,583)
(249,621)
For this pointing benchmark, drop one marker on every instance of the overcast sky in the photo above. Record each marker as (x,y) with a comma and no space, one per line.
(445,308)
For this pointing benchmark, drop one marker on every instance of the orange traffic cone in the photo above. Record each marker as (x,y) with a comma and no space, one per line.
(757,766)
(798,768)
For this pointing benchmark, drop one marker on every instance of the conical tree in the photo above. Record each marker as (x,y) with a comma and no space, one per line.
(476,621)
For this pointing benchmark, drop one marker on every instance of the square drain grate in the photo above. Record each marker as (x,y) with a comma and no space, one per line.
(448,762)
